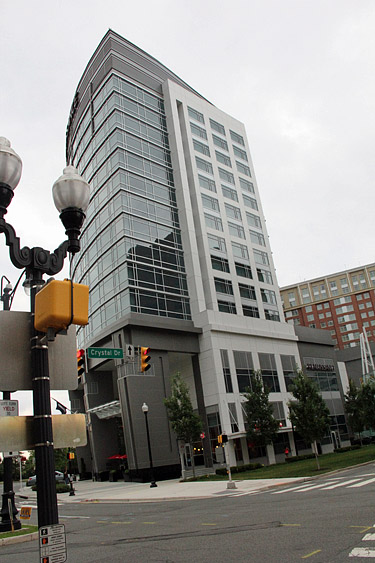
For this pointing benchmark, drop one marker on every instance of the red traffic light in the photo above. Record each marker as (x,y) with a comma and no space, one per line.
(145,358)
(80,354)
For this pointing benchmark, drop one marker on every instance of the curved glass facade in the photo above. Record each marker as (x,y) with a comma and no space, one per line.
(131,254)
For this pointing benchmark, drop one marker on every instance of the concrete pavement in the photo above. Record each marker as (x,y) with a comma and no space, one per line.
(174,489)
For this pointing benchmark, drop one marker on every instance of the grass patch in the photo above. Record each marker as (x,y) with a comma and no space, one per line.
(303,468)
(22,532)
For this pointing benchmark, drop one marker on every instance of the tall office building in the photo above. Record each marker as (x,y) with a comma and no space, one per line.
(342,303)
(176,254)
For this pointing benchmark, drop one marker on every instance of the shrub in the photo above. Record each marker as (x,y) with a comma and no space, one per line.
(347,449)
(239,468)
(299,458)
(60,488)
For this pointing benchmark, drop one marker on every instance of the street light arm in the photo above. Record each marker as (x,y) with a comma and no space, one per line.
(33,259)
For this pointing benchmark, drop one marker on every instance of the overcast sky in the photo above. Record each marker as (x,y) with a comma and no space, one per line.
(298,73)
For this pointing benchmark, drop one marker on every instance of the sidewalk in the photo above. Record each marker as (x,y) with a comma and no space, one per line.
(89,491)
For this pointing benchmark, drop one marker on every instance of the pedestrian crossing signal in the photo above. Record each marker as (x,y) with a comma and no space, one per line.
(145,359)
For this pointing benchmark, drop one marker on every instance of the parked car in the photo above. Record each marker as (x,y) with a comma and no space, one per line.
(58,476)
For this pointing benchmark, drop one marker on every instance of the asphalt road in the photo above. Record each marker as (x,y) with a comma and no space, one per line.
(326,520)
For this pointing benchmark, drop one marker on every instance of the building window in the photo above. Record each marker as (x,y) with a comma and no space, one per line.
(306,298)
(220,264)
(237,138)
(219,142)
(250,311)
(269,372)
(226,371)
(223,286)
(242,169)
(261,257)
(257,238)
(201,147)
(279,413)
(233,417)
(207,183)
(213,222)
(240,251)
(249,187)
(243,270)
(247,291)
(229,193)
(216,243)
(223,159)
(240,153)
(210,203)
(253,220)
(233,212)
(250,202)
(204,165)
(289,370)
(198,131)
(195,115)
(226,176)
(227,307)
(236,230)
(243,362)
(271,315)
(264,276)
(217,127)
(268,296)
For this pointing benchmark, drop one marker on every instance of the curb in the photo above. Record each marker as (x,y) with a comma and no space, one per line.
(19,539)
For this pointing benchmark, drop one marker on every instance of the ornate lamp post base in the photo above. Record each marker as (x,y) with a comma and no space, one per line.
(6,524)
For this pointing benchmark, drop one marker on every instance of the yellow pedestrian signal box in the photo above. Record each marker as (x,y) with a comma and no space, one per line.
(61,303)
(70,455)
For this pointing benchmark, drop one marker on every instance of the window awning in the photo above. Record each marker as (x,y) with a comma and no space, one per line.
(108,410)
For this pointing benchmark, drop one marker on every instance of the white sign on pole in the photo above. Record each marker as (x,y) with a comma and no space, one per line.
(8,408)
(52,543)
(129,351)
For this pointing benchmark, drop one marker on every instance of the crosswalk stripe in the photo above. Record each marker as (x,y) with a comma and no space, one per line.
(291,489)
(342,484)
(362,552)
(369,537)
(362,483)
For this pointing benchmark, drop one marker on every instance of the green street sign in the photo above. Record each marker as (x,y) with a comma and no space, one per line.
(105,353)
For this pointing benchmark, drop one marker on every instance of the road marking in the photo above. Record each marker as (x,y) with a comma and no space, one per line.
(291,489)
(311,554)
(82,517)
(362,552)
(362,483)
(343,484)
(290,524)
(363,528)
(208,524)
(148,522)
(369,537)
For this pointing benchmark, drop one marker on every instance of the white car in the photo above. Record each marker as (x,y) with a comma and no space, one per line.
(58,476)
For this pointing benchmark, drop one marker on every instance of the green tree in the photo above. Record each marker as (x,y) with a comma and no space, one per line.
(354,407)
(262,426)
(308,412)
(367,397)
(186,424)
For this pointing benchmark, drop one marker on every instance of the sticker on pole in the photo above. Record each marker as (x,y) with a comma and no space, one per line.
(25,513)
(52,544)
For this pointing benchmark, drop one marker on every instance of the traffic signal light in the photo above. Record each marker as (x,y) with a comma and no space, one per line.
(145,359)
(222,439)
(81,362)
(70,455)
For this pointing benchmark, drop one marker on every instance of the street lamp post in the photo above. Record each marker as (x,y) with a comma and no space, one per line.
(145,412)
(9,511)
(71,197)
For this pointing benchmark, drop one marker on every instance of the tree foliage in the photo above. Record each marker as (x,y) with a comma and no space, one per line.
(184,421)
(367,403)
(355,408)
(308,412)
(262,426)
